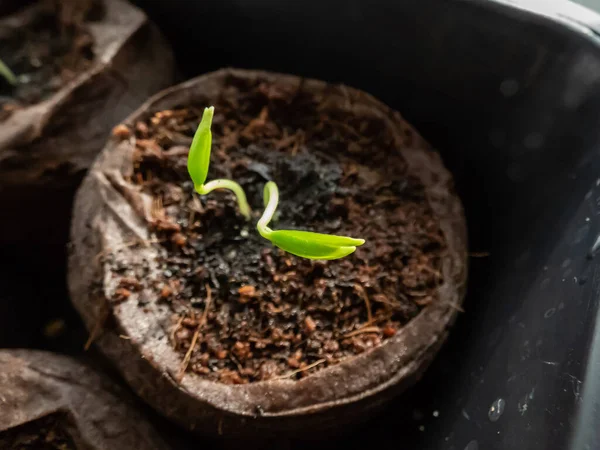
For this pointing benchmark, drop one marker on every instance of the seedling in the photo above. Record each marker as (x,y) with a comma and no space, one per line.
(199,159)
(302,243)
(7,73)
(305,244)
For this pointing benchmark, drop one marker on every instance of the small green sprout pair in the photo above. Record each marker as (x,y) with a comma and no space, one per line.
(305,244)
(7,74)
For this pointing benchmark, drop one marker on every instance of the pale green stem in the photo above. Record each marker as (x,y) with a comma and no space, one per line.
(271,199)
(233,187)
(7,73)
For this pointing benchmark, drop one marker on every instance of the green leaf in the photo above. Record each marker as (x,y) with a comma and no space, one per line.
(307,244)
(199,155)
(7,73)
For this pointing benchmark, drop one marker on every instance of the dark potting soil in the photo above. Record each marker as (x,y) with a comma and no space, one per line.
(44,56)
(243,310)
(50,432)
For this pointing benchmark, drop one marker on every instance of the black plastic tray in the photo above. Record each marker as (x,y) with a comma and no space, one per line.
(509,92)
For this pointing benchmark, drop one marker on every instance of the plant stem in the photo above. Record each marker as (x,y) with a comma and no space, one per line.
(7,73)
(233,187)
(271,199)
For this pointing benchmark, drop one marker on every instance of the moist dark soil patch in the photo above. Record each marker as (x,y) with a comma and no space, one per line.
(247,310)
(44,55)
(51,432)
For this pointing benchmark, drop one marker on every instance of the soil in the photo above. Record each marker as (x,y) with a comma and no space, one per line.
(44,55)
(50,432)
(244,311)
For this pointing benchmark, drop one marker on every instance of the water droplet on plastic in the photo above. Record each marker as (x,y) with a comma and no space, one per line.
(473,445)
(533,141)
(594,249)
(509,87)
(496,409)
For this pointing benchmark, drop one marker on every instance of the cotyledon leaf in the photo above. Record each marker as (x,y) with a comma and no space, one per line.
(307,244)
(199,154)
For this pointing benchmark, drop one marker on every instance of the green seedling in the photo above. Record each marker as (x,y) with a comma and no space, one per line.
(305,244)
(7,73)
(199,159)
(302,243)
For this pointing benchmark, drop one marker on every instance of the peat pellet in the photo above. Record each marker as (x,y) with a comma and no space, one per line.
(229,335)
(54,402)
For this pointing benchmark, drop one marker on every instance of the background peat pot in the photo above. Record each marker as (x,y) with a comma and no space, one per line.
(48,142)
(509,92)
(51,401)
(45,150)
